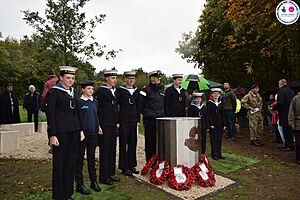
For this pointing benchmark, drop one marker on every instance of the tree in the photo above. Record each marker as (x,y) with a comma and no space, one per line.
(66,30)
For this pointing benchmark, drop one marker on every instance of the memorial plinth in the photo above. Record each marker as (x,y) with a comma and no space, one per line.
(178,140)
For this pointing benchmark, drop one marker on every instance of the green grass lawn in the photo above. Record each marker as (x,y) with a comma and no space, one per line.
(23,115)
(31,180)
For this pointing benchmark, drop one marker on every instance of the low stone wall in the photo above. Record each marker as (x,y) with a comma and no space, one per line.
(24,129)
(9,140)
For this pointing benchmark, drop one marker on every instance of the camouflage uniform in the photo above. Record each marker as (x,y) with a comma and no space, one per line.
(252,101)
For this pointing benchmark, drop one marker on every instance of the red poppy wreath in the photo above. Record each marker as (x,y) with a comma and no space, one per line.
(159,172)
(181,178)
(149,165)
(203,172)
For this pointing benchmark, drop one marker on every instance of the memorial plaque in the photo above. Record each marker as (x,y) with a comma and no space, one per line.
(178,140)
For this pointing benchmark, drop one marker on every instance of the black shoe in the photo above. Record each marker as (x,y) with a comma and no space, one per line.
(127,172)
(298,162)
(114,178)
(222,157)
(282,147)
(288,149)
(106,182)
(134,170)
(69,198)
(83,190)
(215,158)
(95,186)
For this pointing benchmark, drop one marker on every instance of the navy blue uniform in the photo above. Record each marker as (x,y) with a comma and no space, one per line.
(65,123)
(216,118)
(151,105)
(90,123)
(174,102)
(129,116)
(201,112)
(108,114)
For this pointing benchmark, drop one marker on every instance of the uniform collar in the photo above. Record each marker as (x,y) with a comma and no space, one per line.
(86,99)
(70,91)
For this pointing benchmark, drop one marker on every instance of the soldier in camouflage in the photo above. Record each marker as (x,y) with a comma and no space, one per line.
(253,103)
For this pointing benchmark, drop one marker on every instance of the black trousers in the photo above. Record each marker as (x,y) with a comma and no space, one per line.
(107,143)
(89,144)
(64,159)
(288,136)
(127,147)
(297,137)
(216,136)
(203,140)
(150,137)
(35,116)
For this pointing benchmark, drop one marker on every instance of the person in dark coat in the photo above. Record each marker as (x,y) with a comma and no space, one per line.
(174,100)
(91,128)
(32,104)
(284,98)
(65,131)
(198,109)
(129,117)
(108,114)
(151,105)
(217,123)
(229,104)
(9,106)
(294,121)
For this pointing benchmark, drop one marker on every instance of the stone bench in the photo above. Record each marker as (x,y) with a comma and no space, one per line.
(9,140)
(24,129)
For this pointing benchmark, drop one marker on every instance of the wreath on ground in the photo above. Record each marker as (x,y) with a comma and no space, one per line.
(159,172)
(181,178)
(203,172)
(149,165)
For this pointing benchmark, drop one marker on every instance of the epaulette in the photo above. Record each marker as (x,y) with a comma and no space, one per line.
(143,91)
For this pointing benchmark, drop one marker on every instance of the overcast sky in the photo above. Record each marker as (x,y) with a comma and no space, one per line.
(147,31)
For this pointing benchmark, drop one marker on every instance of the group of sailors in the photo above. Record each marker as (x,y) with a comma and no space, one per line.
(79,124)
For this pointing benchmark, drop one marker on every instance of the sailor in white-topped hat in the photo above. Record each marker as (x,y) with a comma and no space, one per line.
(108,114)
(174,101)
(151,101)
(65,132)
(128,95)
(217,123)
(197,108)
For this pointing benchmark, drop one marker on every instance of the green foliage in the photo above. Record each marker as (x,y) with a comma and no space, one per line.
(66,30)
(243,42)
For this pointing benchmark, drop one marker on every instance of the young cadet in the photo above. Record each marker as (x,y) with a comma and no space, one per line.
(108,114)
(65,132)
(217,123)
(91,128)
(174,100)
(129,116)
(197,109)
(151,105)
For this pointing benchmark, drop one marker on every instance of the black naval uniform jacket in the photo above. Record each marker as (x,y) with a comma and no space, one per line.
(151,101)
(128,104)
(216,116)
(174,102)
(64,112)
(201,112)
(108,108)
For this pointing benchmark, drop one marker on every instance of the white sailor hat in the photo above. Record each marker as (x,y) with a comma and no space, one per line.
(197,94)
(112,72)
(129,73)
(67,70)
(174,76)
(155,73)
(216,90)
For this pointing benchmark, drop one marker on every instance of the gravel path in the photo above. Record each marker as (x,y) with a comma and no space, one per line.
(35,147)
